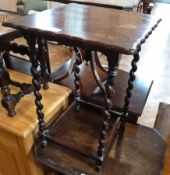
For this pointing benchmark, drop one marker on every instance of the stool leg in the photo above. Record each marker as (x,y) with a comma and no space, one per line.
(8,101)
(31,41)
(44,61)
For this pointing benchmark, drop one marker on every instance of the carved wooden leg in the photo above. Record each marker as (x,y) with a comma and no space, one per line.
(78,61)
(31,40)
(44,61)
(8,101)
(113,60)
(130,87)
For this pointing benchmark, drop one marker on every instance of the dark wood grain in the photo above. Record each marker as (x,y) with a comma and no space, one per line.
(140,151)
(86,26)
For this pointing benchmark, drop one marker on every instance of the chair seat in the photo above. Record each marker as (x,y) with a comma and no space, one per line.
(139,151)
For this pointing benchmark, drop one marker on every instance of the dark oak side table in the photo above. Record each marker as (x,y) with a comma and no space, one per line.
(86,128)
(141,87)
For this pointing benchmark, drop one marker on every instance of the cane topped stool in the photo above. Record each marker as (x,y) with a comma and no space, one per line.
(85,128)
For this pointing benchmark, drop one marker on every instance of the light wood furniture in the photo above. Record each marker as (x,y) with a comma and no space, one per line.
(17,134)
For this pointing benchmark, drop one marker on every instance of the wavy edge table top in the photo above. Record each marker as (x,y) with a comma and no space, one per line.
(86,27)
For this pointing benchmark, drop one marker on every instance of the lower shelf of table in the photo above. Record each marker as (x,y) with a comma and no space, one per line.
(80,131)
(140,151)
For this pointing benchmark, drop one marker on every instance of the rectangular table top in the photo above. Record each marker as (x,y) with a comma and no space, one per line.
(89,27)
(119,4)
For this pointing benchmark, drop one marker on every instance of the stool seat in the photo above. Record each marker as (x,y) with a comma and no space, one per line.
(139,151)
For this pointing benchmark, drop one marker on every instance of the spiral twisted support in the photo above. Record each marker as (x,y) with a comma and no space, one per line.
(130,85)
(132,75)
(113,61)
(31,41)
(43,59)
(78,61)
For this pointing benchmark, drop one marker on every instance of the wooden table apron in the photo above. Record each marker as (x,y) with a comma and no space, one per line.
(111,51)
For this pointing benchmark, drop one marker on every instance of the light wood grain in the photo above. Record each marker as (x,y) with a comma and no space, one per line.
(11,161)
